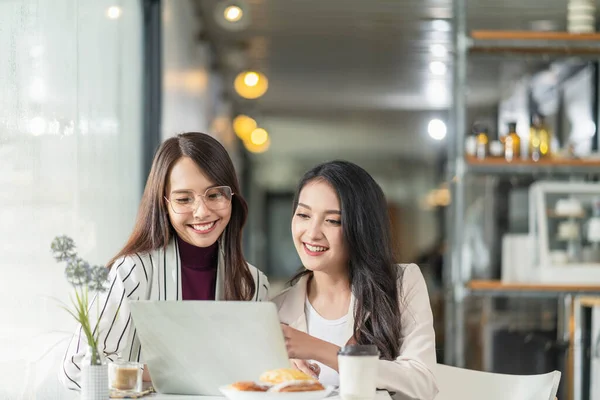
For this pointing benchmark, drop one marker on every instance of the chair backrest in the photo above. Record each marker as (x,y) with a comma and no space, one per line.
(464,384)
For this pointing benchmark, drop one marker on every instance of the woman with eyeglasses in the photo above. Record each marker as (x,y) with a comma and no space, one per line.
(351,291)
(186,245)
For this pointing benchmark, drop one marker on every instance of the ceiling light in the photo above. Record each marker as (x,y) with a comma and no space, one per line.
(436,129)
(438,68)
(113,12)
(243,126)
(251,84)
(251,79)
(233,13)
(439,50)
(259,136)
(441,25)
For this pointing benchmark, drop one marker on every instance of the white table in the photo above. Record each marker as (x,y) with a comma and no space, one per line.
(381,395)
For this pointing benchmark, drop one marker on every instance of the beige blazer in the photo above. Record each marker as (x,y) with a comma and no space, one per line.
(410,375)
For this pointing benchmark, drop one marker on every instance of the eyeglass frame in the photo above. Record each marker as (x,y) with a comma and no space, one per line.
(203,196)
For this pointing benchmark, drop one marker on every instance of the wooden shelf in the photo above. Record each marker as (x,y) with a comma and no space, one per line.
(499,286)
(590,301)
(534,42)
(544,165)
(534,35)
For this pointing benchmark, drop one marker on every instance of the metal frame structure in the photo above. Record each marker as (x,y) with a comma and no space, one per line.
(152,79)
(457,169)
(582,346)
(453,281)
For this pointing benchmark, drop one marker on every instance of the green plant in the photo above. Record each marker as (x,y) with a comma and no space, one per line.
(84,279)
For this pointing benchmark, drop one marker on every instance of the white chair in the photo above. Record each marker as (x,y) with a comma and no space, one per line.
(464,384)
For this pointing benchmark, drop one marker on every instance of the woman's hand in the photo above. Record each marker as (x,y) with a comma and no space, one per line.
(302,346)
(299,345)
(308,368)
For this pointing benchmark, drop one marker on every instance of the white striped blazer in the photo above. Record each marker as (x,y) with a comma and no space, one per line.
(152,276)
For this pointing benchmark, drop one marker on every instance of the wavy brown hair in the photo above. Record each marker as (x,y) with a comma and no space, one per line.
(374,278)
(153,229)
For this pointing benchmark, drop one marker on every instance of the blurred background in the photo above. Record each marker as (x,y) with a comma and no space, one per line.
(444,103)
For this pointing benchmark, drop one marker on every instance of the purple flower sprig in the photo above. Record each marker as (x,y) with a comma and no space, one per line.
(78,271)
(63,248)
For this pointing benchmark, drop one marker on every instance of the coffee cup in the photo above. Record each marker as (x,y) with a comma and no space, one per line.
(357,366)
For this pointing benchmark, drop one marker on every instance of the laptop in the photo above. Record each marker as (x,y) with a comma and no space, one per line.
(195,347)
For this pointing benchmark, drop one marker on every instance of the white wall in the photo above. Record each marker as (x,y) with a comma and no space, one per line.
(70,162)
(192,98)
(187,80)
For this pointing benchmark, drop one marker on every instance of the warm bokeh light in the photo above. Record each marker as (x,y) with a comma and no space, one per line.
(243,126)
(255,148)
(259,136)
(251,79)
(251,84)
(439,197)
(233,13)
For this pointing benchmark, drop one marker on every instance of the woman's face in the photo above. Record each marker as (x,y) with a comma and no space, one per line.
(317,229)
(202,225)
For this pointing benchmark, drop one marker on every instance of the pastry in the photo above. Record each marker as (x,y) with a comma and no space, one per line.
(297,386)
(247,386)
(277,376)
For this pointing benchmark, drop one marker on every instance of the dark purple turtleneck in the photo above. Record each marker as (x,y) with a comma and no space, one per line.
(198,270)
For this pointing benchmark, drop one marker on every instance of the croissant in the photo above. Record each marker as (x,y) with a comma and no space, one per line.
(277,376)
(247,386)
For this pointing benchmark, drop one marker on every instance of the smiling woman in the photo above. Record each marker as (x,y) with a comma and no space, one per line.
(199,219)
(185,245)
(351,291)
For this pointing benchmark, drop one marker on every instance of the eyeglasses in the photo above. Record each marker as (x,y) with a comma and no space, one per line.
(186,201)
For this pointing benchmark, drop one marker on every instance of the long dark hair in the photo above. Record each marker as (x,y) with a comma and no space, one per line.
(153,229)
(373,275)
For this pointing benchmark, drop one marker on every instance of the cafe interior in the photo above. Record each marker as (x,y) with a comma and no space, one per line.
(477,118)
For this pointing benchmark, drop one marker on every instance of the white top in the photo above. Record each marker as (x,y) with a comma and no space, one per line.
(329,330)
(411,374)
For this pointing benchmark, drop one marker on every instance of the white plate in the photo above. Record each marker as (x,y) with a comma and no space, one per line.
(232,394)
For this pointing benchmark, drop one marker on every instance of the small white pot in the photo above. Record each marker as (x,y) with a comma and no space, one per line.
(94,382)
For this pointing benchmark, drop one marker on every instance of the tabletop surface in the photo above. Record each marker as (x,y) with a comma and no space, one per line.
(381,395)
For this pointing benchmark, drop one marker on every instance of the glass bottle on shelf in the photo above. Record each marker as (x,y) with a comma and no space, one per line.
(471,143)
(545,136)
(512,143)
(534,139)
(540,138)
(482,140)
